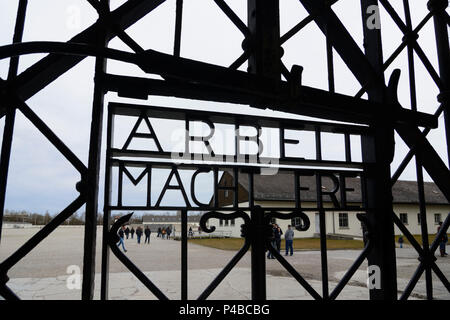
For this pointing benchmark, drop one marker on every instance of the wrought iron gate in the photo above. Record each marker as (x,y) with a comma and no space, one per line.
(262,86)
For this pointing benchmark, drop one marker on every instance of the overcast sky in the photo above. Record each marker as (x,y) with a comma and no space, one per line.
(41,179)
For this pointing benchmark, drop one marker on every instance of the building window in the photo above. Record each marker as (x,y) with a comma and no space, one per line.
(226,223)
(437,218)
(232,222)
(419,219)
(226,193)
(221,222)
(343,220)
(404,218)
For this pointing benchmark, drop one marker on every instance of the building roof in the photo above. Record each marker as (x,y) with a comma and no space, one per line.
(168,218)
(280,187)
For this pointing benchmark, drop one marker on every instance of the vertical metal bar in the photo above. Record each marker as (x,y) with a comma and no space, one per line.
(10,116)
(178,23)
(318,138)
(323,238)
(330,65)
(91,181)
(184,257)
(419,169)
(149,184)
(236,188)
(264,27)
(378,151)
(251,190)
(348,149)
(297,189)
(440,27)
(216,187)
(104,285)
(258,257)
(120,183)
(265,60)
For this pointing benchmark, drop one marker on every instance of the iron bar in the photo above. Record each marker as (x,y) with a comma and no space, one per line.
(233,17)
(104,284)
(184,255)
(37,238)
(90,181)
(294,272)
(323,239)
(254,89)
(48,69)
(8,130)
(178,25)
(419,170)
(258,257)
(378,149)
(443,49)
(225,271)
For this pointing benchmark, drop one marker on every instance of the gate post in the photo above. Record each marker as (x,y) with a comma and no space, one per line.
(258,256)
(378,153)
(265,60)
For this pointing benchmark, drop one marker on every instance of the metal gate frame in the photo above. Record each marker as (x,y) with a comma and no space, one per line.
(260,87)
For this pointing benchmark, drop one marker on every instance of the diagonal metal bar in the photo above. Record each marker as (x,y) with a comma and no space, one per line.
(233,17)
(398,50)
(51,136)
(303,23)
(342,42)
(293,272)
(423,256)
(240,60)
(349,274)
(412,283)
(355,266)
(7,293)
(412,151)
(113,238)
(364,73)
(404,29)
(394,15)
(52,66)
(10,112)
(225,271)
(40,235)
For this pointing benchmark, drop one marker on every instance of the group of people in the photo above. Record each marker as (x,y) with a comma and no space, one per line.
(164,233)
(275,240)
(125,232)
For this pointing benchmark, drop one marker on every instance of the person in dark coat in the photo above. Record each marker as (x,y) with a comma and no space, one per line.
(168,231)
(121,235)
(400,241)
(132,232)
(159,232)
(138,234)
(127,232)
(277,234)
(147,232)
(442,242)
(272,242)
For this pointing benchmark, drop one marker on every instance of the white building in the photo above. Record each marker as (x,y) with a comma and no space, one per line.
(278,191)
